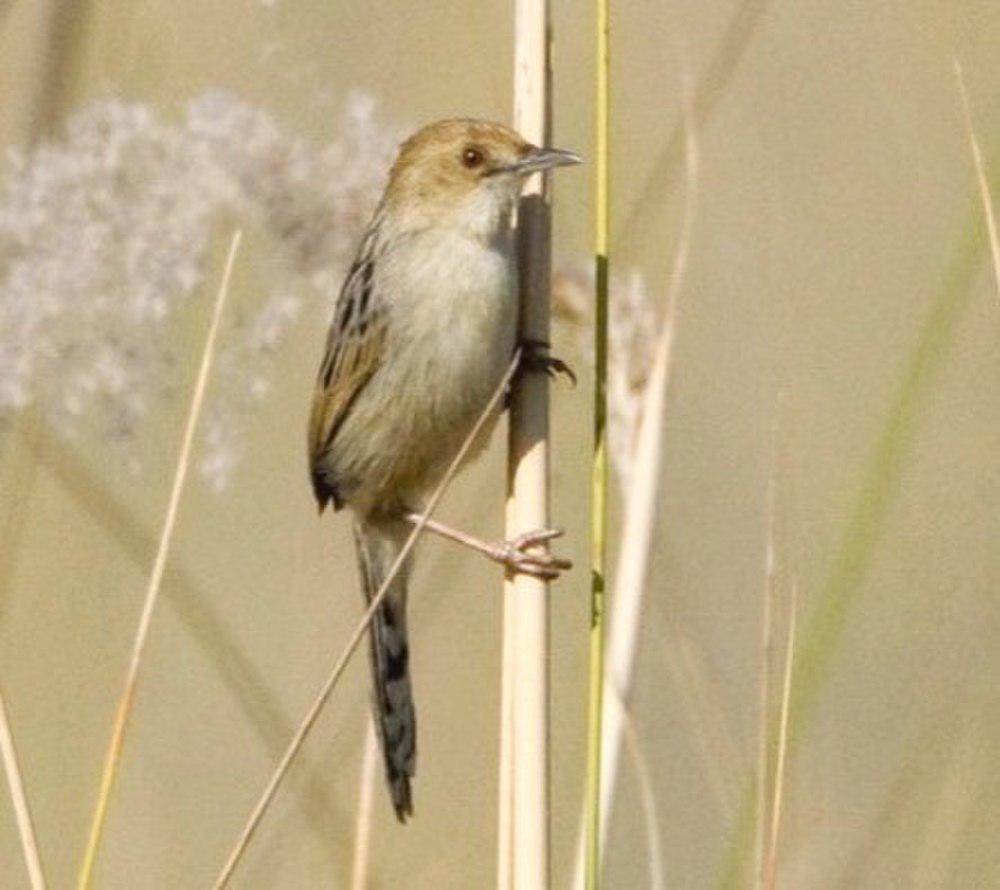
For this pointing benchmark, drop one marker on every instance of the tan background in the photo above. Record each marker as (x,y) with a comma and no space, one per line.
(838,256)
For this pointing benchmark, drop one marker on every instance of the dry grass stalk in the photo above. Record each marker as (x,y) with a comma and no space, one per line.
(22,813)
(366,796)
(865,527)
(766,652)
(703,704)
(647,797)
(771,861)
(984,185)
(766,625)
(640,511)
(523,838)
(505,791)
(194,606)
(125,702)
(338,669)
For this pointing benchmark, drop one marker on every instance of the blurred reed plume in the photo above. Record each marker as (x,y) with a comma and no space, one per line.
(104,235)
(639,351)
(638,373)
(632,336)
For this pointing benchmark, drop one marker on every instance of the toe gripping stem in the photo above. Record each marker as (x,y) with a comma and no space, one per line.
(535,357)
(518,555)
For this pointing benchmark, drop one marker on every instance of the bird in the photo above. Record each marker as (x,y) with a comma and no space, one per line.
(423,331)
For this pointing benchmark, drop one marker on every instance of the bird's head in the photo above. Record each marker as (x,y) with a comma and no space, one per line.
(465,174)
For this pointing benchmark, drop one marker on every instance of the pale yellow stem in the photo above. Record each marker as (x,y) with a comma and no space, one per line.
(366,797)
(22,813)
(984,185)
(771,869)
(524,836)
(124,709)
(764,701)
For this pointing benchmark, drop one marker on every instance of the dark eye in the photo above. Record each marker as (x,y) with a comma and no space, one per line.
(472,157)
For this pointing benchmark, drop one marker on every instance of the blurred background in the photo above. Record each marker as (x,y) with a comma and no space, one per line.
(838,268)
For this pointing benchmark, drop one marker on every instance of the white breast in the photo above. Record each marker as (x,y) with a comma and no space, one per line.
(453,317)
(451,314)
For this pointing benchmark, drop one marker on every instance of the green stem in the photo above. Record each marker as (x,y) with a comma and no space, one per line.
(600,466)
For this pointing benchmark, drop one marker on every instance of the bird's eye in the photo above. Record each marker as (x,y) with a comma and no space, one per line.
(472,158)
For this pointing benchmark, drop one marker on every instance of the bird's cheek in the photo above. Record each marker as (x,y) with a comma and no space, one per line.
(508,186)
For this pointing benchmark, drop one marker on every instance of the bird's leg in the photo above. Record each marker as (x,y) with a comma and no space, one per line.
(535,357)
(515,554)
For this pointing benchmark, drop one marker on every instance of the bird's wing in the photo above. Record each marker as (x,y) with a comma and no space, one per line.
(354,352)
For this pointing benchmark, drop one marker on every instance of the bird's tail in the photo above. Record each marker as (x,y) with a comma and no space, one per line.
(379,543)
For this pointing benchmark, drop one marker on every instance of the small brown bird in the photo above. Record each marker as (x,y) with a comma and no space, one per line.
(422,333)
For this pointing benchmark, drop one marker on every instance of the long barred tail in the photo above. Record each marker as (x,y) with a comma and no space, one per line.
(379,543)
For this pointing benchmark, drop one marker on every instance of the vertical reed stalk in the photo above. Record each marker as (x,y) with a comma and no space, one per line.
(599,483)
(505,815)
(638,524)
(524,836)
(647,796)
(366,796)
(22,814)
(127,698)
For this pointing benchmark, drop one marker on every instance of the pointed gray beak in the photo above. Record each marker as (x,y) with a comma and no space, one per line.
(545,159)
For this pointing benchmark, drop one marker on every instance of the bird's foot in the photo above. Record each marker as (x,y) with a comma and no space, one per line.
(535,357)
(518,556)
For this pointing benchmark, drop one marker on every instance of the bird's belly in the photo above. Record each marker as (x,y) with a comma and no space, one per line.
(451,340)
(454,333)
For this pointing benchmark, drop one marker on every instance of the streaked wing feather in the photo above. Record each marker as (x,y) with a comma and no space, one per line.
(354,350)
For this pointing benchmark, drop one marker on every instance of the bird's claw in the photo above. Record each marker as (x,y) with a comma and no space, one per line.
(535,357)
(516,556)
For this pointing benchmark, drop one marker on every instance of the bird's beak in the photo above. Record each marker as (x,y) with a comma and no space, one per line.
(545,159)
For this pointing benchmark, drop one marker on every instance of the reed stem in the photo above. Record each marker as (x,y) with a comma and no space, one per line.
(524,805)
(127,699)
(599,482)
(22,812)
